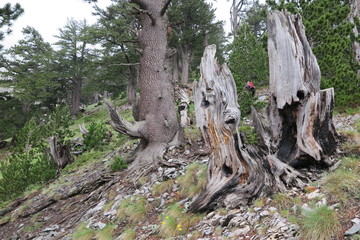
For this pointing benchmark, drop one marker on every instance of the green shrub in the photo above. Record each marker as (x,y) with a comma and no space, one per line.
(29,162)
(97,132)
(321,223)
(118,164)
(23,169)
(250,134)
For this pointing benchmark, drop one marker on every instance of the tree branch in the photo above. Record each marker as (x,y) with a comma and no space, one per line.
(163,10)
(121,125)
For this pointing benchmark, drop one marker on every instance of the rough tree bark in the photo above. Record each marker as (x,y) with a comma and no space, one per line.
(158,123)
(300,122)
(185,57)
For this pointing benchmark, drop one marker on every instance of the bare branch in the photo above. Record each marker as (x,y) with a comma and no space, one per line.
(124,64)
(163,10)
(147,13)
(121,125)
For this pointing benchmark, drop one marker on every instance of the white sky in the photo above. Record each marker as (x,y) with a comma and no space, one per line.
(48,16)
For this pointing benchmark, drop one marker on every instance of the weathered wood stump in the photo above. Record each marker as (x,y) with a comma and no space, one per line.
(300,113)
(59,153)
(299,131)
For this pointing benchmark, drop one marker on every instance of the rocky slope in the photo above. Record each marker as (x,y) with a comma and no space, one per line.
(85,203)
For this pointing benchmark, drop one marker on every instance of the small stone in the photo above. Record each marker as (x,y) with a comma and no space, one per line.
(208,231)
(356,220)
(150,199)
(322,202)
(314,194)
(256,209)
(264,213)
(241,231)
(235,222)
(273,209)
(215,220)
(293,228)
(51,228)
(354,229)
(210,215)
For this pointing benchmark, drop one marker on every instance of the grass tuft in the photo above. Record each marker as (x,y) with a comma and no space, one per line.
(193,182)
(322,224)
(106,233)
(162,187)
(133,209)
(128,234)
(176,222)
(342,185)
(83,233)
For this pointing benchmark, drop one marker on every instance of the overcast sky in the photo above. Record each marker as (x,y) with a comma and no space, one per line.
(47,16)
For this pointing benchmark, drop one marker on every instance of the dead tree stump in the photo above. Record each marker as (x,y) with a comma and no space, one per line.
(299,131)
(300,113)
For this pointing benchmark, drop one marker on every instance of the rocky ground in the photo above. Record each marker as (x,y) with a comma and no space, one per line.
(93,194)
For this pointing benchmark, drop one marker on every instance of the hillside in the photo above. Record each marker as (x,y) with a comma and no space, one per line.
(91,201)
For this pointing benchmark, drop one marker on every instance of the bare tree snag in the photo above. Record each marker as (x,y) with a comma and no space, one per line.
(300,114)
(298,132)
(158,124)
(59,153)
(235,175)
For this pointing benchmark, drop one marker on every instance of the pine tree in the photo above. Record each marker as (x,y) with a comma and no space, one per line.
(8,14)
(248,61)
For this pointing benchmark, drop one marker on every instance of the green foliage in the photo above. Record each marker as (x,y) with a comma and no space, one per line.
(85,158)
(96,135)
(8,14)
(193,181)
(248,60)
(250,134)
(29,162)
(118,164)
(321,223)
(192,24)
(23,169)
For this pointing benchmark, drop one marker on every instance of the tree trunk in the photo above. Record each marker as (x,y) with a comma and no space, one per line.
(76,95)
(158,123)
(355,13)
(185,56)
(132,85)
(175,64)
(300,131)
